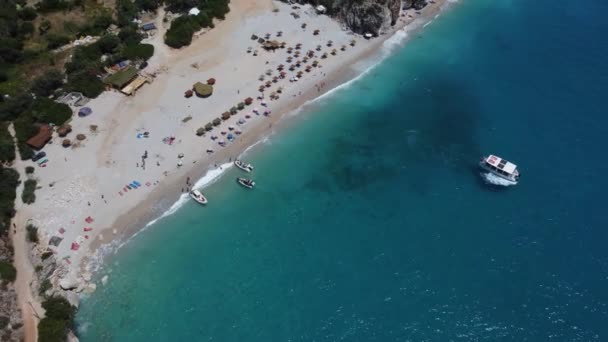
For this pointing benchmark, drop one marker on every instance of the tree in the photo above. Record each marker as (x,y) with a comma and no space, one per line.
(27,13)
(108,43)
(130,35)
(86,83)
(55,40)
(46,84)
(48,111)
(138,51)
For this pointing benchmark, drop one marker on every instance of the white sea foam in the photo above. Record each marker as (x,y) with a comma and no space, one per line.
(490,178)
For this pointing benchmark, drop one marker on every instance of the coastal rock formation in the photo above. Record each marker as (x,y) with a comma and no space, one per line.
(362,16)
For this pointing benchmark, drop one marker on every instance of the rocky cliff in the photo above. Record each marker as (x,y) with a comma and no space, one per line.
(361,16)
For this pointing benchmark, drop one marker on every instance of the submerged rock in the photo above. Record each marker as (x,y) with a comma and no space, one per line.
(104,280)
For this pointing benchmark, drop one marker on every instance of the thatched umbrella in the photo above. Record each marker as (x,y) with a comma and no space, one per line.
(240,106)
(261,89)
(225,116)
(66,143)
(280,90)
(80,136)
(188,93)
(233,110)
(275,79)
(269,72)
(330,43)
(261,78)
(303,25)
(254,37)
(305,59)
(261,40)
(334,51)
(203,90)
(64,130)
(211,81)
(268,84)
(248,101)
(353,42)
(200,131)
(267,36)
(283,74)
(315,63)
(209,126)
(316,32)
(217,121)
(324,55)
(343,48)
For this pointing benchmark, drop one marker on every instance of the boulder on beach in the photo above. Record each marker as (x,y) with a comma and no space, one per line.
(68,283)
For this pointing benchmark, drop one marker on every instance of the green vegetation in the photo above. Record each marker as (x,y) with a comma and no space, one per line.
(28,196)
(57,321)
(46,84)
(29,170)
(181,30)
(9,179)
(44,286)
(32,233)
(8,272)
(7,147)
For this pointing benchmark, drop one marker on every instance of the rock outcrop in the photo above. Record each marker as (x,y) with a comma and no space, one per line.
(362,16)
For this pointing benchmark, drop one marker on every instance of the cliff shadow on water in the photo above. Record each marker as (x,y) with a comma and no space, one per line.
(421,129)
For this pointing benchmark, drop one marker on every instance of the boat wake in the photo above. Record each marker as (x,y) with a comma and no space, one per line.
(490,178)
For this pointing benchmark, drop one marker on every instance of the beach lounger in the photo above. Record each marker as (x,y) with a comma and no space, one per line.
(137,183)
(40,162)
(87,229)
(75,246)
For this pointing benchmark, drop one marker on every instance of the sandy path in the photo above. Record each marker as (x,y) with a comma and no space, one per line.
(30,307)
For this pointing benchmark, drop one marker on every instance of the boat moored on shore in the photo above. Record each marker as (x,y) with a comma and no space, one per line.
(500,168)
(243,166)
(198,196)
(248,183)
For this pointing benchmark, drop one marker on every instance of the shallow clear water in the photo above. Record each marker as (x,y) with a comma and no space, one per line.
(370,221)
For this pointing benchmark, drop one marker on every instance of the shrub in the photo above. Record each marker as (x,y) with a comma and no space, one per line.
(27,13)
(32,233)
(29,170)
(7,147)
(138,51)
(89,85)
(58,308)
(4,321)
(130,35)
(46,84)
(7,271)
(44,286)
(48,111)
(108,43)
(9,179)
(52,330)
(46,255)
(26,28)
(25,151)
(55,40)
(29,187)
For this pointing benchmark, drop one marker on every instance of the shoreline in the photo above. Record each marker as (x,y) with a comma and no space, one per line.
(76,177)
(157,206)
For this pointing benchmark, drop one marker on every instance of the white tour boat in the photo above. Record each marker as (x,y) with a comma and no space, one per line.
(500,168)
(248,183)
(198,196)
(243,166)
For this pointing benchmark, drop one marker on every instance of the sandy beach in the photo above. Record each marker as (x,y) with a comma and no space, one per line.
(84,199)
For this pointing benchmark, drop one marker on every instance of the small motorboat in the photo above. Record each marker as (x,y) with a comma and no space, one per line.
(248,183)
(198,196)
(243,166)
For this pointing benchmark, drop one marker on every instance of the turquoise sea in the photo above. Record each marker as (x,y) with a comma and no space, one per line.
(370,221)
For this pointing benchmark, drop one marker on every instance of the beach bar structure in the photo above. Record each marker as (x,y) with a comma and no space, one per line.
(127,80)
(38,141)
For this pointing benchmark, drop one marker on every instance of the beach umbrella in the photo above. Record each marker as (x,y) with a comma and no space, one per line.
(84,111)
(211,81)
(66,143)
(248,101)
(230,136)
(80,136)
(188,93)
(343,47)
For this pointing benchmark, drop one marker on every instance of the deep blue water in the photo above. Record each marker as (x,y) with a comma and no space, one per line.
(370,221)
